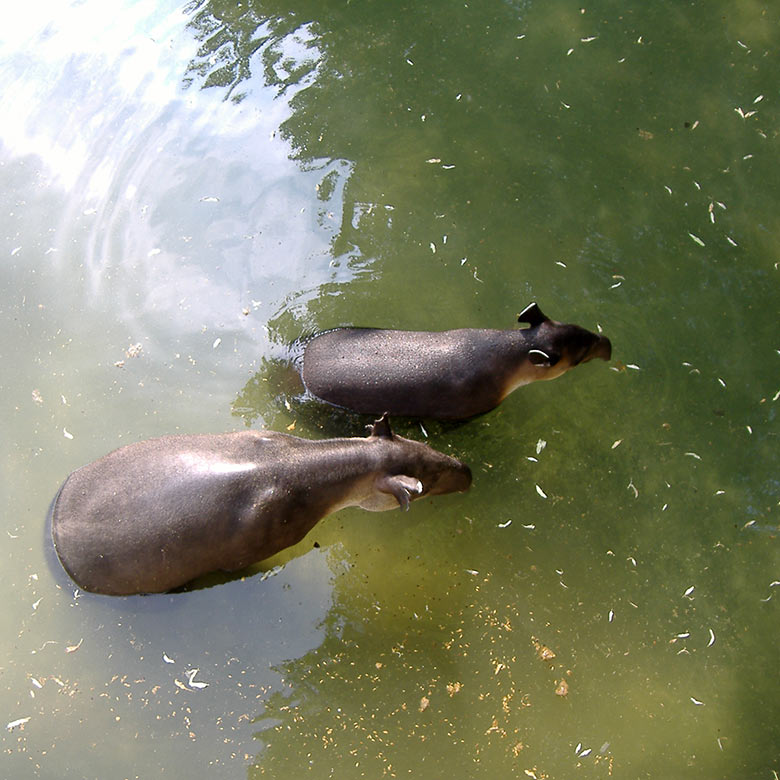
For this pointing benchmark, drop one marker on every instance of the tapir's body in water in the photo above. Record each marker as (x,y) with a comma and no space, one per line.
(154,515)
(449,375)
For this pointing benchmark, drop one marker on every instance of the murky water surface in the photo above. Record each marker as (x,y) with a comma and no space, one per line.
(185,190)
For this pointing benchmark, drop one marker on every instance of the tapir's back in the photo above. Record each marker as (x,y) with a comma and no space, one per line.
(447,374)
(142,507)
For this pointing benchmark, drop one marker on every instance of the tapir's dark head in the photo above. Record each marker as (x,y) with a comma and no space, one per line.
(555,347)
(438,473)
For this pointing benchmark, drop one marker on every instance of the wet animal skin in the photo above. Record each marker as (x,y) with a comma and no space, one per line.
(449,375)
(154,515)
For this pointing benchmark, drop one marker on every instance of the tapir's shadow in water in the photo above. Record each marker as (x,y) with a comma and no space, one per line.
(276,398)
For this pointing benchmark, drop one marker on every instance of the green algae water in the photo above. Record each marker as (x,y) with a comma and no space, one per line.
(186,190)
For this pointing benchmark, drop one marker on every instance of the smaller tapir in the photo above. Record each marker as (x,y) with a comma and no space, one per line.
(154,515)
(449,375)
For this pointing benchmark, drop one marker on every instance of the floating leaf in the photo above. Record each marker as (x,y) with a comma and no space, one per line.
(73,648)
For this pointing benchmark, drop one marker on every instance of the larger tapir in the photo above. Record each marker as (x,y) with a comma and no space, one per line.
(450,375)
(154,515)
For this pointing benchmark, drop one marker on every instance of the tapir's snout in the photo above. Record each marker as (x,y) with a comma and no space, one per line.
(454,478)
(601,349)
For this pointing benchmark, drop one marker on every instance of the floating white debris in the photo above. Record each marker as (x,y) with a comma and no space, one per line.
(216,343)
(668,189)
(532,459)
(731,241)
(66,433)
(540,445)
(611,615)
(578,748)
(506,524)
(541,492)
(712,639)
(632,559)
(570,52)
(560,263)
(719,492)
(632,486)
(433,247)
(684,635)
(722,383)
(529,527)
(586,752)
(589,39)
(192,682)
(167,658)
(633,366)
(36,603)
(209,199)
(617,443)
(472,572)
(433,160)
(15,724)
(697,239)
(758,99)
(693,455)
(271,572)
(697,702)
(689,591)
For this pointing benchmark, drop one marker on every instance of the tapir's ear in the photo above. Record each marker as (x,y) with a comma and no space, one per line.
(540,358)
(532,315)
(404,488)
(381,427)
